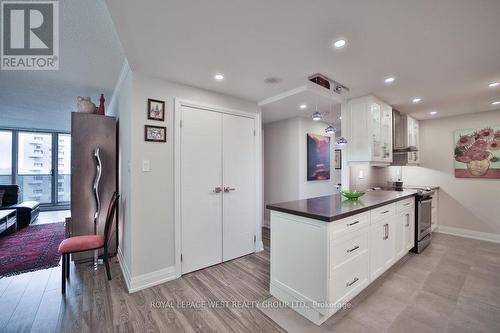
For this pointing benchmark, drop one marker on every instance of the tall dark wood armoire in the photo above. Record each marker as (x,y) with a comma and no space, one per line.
(88,132)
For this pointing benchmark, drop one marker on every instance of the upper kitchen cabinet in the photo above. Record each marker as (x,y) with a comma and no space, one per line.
(413,140)
(406,142)
(369,131)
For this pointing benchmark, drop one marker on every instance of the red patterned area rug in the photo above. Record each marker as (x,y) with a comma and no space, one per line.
(30,249)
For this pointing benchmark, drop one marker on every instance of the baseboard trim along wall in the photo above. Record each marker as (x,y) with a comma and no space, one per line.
(124,268)
(143,281)
(484,236)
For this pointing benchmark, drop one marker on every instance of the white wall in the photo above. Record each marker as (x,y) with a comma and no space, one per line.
(472,204)
(285,162)
(148,197)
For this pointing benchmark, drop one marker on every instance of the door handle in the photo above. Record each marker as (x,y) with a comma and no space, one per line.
(218,189)
(228,189)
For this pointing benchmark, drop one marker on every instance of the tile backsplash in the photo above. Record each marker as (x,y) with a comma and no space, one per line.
(363,177)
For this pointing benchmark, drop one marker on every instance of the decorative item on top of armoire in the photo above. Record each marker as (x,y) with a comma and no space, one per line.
(338,159)
(85,105)
(89,131)
(477,152)
(156,109)
(95,188)
(100,110)
(318,157)
(155,133)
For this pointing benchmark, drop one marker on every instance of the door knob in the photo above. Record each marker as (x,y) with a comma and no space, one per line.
(228,189)
(218,189)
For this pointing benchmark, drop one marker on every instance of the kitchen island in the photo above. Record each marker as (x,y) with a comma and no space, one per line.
(326,250)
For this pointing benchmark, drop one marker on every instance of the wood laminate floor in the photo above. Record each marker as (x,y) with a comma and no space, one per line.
(454,286)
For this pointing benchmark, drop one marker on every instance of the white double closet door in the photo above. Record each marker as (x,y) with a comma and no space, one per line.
(218,189)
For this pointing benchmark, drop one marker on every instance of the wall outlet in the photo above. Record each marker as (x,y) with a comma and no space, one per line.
(146,165)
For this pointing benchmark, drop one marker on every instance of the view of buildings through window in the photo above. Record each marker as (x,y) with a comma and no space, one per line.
(5,157)
(35,170)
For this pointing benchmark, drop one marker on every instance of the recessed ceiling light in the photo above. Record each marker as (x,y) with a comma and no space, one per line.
(339,43)
(496,103)
(417,100)
(340,118)
(433,113)
(494,84)
(219,77)
(303,106)
(389,80)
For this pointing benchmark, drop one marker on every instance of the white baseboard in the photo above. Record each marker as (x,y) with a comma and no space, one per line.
(124,268)
(143,281)
(484,236)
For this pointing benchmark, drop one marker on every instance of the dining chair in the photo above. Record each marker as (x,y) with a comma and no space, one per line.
(88,243)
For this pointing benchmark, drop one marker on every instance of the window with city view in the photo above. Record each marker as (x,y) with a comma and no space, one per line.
(6,157)
(43,170)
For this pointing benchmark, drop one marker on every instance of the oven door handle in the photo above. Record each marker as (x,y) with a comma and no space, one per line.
(425,200)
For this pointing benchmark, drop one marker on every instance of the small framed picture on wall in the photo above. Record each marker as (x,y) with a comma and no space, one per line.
(156,109)
(155,133)
(338,159)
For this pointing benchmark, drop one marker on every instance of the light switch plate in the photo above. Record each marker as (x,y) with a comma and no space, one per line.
(146,165)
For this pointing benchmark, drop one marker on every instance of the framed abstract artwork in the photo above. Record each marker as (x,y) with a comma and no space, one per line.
(477,152)
(318,157)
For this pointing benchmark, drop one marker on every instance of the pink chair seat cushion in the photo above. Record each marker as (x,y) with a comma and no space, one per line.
(81,243)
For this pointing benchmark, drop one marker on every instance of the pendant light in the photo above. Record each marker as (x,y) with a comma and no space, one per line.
(330,129)
(341,141)
(317,116)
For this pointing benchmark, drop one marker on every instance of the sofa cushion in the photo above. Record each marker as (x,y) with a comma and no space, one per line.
(28,205)
(11,194)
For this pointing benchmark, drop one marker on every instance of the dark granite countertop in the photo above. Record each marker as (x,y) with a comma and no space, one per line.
(335,207)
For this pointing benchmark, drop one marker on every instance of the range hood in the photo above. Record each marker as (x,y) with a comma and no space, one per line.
(400,134)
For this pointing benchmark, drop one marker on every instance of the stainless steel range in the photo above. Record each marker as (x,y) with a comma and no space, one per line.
(423,219)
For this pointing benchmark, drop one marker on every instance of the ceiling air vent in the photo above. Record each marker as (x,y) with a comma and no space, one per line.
(328,83)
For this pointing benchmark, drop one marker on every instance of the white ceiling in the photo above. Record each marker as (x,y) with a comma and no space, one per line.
(315,98)
(444,51)
(90,62)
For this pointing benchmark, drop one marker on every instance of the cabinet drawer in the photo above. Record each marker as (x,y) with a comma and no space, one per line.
(349,279)
(348,247)
(405,204)
(383,212)
(352,223)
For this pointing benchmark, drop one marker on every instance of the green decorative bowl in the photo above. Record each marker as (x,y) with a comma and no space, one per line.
(352,195)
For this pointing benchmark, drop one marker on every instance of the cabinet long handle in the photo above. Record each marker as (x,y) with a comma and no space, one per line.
(348,284)
(385,212)
(407,204)
(407,220)
(353,249)
(386,231)
(353,223)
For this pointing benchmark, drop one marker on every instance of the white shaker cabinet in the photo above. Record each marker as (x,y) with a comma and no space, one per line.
(413,140)
(369,131)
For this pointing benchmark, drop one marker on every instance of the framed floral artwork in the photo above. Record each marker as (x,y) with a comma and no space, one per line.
(477,152)
(156,109)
